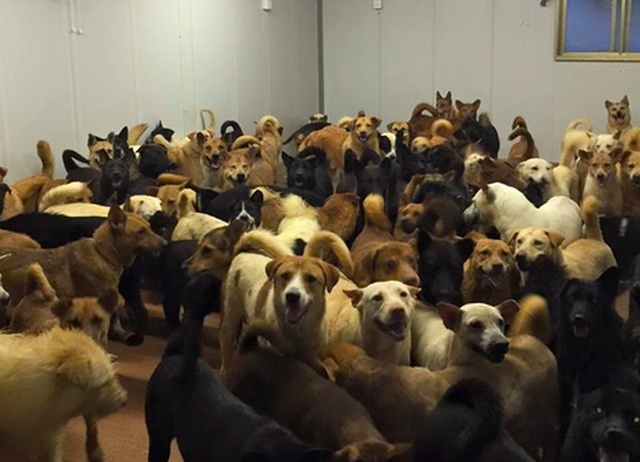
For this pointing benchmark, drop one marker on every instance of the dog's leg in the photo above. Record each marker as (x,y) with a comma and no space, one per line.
(56,449)
(230,326)
(129,288)
(92,445)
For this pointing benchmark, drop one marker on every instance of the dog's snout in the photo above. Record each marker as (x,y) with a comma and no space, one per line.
(397,314)
(579,321)
(292,297)
(501,348)
(614,435)
(496,267)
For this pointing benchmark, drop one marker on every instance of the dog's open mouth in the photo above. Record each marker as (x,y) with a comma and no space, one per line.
(619,121)
(294,314)
(601,180)
(608,455)
(213,162)
(397,329)
(363,137)
(635,180)
(580,330)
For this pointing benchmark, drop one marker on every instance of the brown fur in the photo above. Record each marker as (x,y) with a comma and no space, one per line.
(490,273)
(28,189)
(135,133)
(467,110)
(12,204)
(419,123)
(339,214)
(377,256)
(363,136)
(408,218)
(168,194)
(496,171)
(525,148)
(602,180)
(618,116)
(630,173)
(11,239)
(331,140)
(187,154)
(245,166)
(445,107)
(216,250)
(268,132)
(396,127)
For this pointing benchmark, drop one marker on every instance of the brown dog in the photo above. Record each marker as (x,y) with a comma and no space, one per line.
(377,255)
(28,189)
(363,135)
(330,139)
(339,214)
(245,166)
(11,239)
(419,123)
(629,173)
(602,180)
(216,250)
(525,148)
(618,116)
(490,274)
(467,110)
(297,399)
(444,104)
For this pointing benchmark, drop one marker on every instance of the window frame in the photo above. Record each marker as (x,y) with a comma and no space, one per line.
(603,56)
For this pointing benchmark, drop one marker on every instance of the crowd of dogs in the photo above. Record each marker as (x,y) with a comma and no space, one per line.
(402,295)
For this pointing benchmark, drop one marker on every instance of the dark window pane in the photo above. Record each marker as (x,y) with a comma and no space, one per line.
(588,26)
(634,27)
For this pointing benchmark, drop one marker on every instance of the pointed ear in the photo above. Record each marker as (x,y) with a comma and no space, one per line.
(616,155)
(191,135)
(448,96)
(608,104)
(617,135)
(200,139)
(438,95)
(389,126)
(331,274)
(459,104)
(254,153)
(257,197)
(235,230)
(286,159)
(361,113)
(476,104)
(124,134)
(450,314)
(508,309)
(511,241)
(376,121)
(414,291)
(91,140)
(555,237)
(465,247)
(625,100)
(117,218)
(355,295)
(584,155)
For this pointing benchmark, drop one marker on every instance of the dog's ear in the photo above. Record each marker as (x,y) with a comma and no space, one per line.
(465,247)
(350,453)
(273,265)
(625,156)
(200,139)
(61,307)
(450,314)
(389,126)
(438,95)
(508,309)
(414,291)
(152,190)
(398,449)
(511,240)
(424,241)
(617,135)
(555,237)
(257,197)
(625,100)
(376,121)
(459,104)
(110,301)
(448,95)
(286,159)
(235,230)
(116,218)
(191,135)
(608,104)
(124,134)
(584,155)
(616,154)
(91,140)
(36,280)
(361,113)
(331,274)
(609,280)
(355,295)
(254,153)
(476,104)
(128,206)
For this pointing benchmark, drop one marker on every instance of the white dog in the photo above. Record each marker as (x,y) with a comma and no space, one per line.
(192,225)
(144,206)
(555,181)
(509,210)
(45,381)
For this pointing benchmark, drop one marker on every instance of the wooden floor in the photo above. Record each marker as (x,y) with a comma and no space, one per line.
(123,435)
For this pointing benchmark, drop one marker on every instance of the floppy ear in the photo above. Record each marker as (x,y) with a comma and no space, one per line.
(272,267)
(331,274)
(110,301)
(355,295)
(450,314)
(200,138)
(625,100)
(584,155)
(511,240)
(117,218)
(376,122)
(508,309)
(78,371)
(555,237)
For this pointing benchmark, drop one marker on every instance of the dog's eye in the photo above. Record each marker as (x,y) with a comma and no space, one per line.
(171,201)
(636,420)
(598,411)
(311,279)
(403,294)
(476,325)
(377,298)
(607,165)
(141,232)
(519,242)
(537,243)
(535,169)
(285,276)
(206,251)
(485,253)
(75,323)
(504,253)
(632,166)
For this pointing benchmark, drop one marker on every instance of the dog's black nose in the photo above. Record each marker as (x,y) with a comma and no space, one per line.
(613,435)
(579,321)
(398,315)
(496,268)
(244,217)
(522,261)
(501,348)
(292,298)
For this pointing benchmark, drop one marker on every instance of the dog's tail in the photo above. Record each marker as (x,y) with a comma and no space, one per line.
(329,247)
(36,280)
(572,142)
(441,216)
(421,107)
(442,128)
(46,157)
(314,151)
(633,140)
(269,123)
(186,202)
(294,206)
(260,328)
(235,127)
(56,196)
(162,141)
(484,119)
(135,133)
(172,178)
(245,141)
(69,157)
(532,319)
(212,120)
(262,241)
(519,122)
(575,123)
(524,133)
(374,213)
(591,223)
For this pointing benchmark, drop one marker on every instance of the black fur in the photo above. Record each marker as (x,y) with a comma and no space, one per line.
(307,129)
(410,163)
(444,159)
(52,230)
(229,137)
(69,157)
(440,267)
(472,131)
(167,133)
(309,171)
(248,210)
(621,234)
(153,161)
(466,426)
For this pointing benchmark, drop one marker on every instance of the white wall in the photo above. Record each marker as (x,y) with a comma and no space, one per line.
(501,51)
(142,60)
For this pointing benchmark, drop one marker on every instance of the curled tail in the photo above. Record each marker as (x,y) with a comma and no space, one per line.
(531,144)
(212,120)
(532,319)
(374,213)
(46,157)
(591,223)
(421,107)
(442,128)
(172,178)
(245,141)
(262,241)
(318,153)
(135,133)
(161,140)
(36,280)
(186,202)
(575,123)
(573,141)
(518,122)
(69,157)
(235,127)
(325,243)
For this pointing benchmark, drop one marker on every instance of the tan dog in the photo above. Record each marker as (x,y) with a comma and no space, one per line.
(11,239)
(386,313)
(339,214)
(467,110)
(420,123)
(168,195)
(629,173)
(575,140)
(12,204)
(363,135)
(330,139)
(553,181)
(618,116)
(192,225)
(396,127)
(490,274)
(408,218)
(216,250)
(210,162)
(602,180)
(245,166)
(64,374)
(480,167)
(444,104)
(187,153)
(525,148)
(398,398)
(288,292)
(69,193)
(28,189)
(585,258)
(378,256)
(269,132)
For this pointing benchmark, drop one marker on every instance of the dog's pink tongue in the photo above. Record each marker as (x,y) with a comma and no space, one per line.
(606,456)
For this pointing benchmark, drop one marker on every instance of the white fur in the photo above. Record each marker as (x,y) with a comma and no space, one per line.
(79,210)
(508,210)
(300,221)
(606,143)
(558,181)
(195,225)
(296,286)
(59,194)
(145,206)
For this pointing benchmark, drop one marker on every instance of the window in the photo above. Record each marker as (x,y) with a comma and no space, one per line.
(598,30)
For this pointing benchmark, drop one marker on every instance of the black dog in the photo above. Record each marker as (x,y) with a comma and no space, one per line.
(480,132)
(153,161)
(466,426)
(620,233)
(605,427)
(248,210)
(444,159)
(185,401)
(309,171)
(440,267)
(229,137)
(52,230)
(167,133)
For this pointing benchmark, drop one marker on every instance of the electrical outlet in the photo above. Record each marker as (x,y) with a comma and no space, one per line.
(267,5)
(377,4)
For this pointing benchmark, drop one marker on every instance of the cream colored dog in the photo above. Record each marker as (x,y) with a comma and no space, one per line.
(585,258)
(555,181)
(192,225)
(144,206)
(45,381)
(69,193)
(386,313)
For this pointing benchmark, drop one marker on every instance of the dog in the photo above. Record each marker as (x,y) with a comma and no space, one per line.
(192,225)
(143,205)
(629,174)
(153,161)
(468,110)
(377,255)
(295,402)
(445,107)
(168,195)
(399,398)
(362,135)
(604,426)
(269,132)
(397,127)
(215,250)
(210,161)
(309,171)
(420,123)
(585,258)
(69,193)
(11,239)
(408,219)
(525,148)
(618,116)
(508,210)
(340,214)
(331,140)
(479,167)
(466,426)
(50,231)
(553,181)
(65,374)
(481,132)
(230,136)
(245,166)
(288,291)
(386,313)
(490,274)
(602,181)
(27,190)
